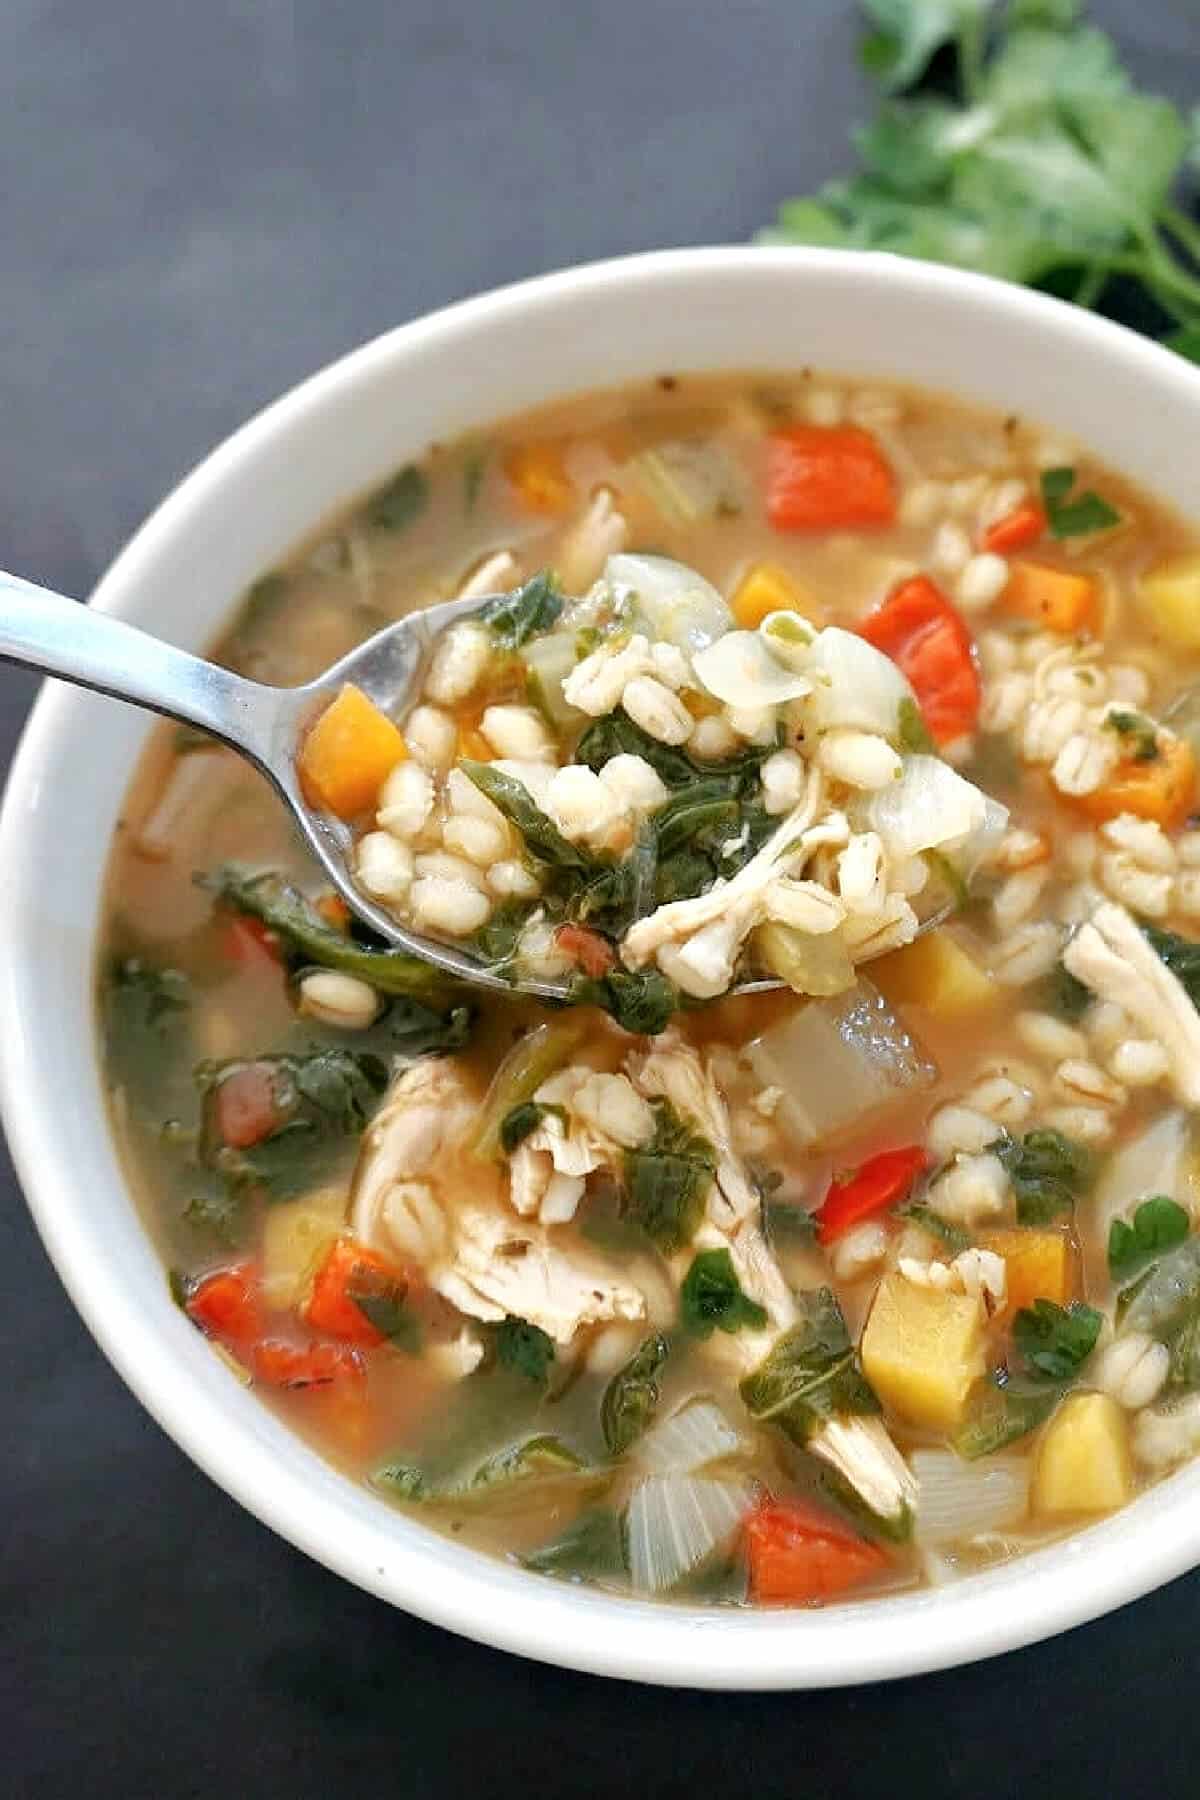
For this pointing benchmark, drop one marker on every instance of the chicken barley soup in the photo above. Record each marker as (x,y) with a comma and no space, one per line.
(870,1279)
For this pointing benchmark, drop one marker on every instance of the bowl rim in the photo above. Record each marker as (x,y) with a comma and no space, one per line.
(907,1633)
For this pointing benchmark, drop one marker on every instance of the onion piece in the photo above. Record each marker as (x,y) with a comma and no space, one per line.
(674,1522)
(677,605)
(855,685)
(696,1435)
(838,1061)
(1159,1160)
(790,638)
(960,1499)
(740,670)
(929,808)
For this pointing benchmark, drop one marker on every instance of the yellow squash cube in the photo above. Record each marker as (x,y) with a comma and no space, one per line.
(922,1351)
(295,1238)
(766,588)
(1083,1463)
(1170,594)
(935,972)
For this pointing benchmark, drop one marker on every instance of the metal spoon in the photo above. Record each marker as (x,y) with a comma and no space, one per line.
(45,631)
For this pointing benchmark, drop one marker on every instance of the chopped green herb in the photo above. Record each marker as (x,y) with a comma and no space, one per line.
(1139,734)
(999,1415)
(519,1123)
(537,1456)
(1048,1173)
(1063,994)
(712,1297)
(1054,1340)
(1161,1301)
(403,1480)
(525,1348)
(912,733)
(666,1180)
(525,613)
(592,1545)
(147,1024)
(1158,1225)
(543,840)
(1084,514)
(811,1373)
(631,1397)
(400,501)
(642,1002)
(381,1301)
(952,1236)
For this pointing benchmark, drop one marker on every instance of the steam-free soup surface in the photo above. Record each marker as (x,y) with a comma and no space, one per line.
(765,1298)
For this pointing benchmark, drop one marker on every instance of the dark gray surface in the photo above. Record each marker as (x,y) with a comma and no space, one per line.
(200,203)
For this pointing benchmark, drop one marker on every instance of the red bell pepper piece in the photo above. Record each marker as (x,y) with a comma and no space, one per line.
(347,1270)
(827,478)
(928,640)
(799,1554)
(880,1183)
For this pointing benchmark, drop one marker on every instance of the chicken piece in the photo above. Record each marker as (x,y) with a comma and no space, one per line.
(697,941)
(1111,956)
(427,1109)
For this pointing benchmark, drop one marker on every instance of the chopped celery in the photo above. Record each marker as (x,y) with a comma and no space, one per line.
(690,480)
(810,965)
(548,661)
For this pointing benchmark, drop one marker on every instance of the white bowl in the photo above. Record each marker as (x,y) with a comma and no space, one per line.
(725,309)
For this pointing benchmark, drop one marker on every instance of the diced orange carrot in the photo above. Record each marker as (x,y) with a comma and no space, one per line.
(538,474)
(348,753)
(1054,598)
(1038,1264)
(827,478)
(799,1554)
(348,1270)
(1018,529)
(1163,789)
(225,1304)
(766,588)
(246,1107)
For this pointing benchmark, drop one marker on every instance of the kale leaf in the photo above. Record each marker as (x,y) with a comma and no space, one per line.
(318,1102)
(666,1180)
(631,1397)
(1158,1225)
(642,1002)
(712,1297)
(1056,1341)
(525,613)
(147,1025)
(543,840)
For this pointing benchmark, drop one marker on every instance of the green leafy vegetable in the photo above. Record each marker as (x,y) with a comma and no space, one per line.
(641,1001)
(712,1298)
(537,1459)
(543,840)
(592,1545)
(1181,955)
(319,1101)
(811,1373)
(520,1122)
(1076,517)
(631,1397)
(525,613)
(1163,1299)
(1048,1173)
(267,896)
(999,1415)
(952,1236)
(1183,1373)
(382,1303)
(1054,1340)
(147,1024)
(666,1180)
(617,735)
(1139,734)
(525,1348)
(1063,994)
(912,733)
(1033,158)
(400,501)
(474,470)
(783,1219)
(1158,1225)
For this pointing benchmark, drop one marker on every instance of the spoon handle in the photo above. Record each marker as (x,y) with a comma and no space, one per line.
(42,630)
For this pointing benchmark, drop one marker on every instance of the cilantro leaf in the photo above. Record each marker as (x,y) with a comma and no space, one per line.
(1048,1173)
(1087,512)
(712,1297)
(908,33)
(525,1348)
(1158,1224)
(525,613)
(1056,1341)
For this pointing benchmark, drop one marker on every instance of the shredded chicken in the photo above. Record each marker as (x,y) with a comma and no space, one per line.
(1112,957)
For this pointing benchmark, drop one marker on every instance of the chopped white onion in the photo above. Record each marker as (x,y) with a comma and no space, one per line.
(929,808)
(790,637)
(959,1499)
(855,685)
(674,1522)
(1157,1161)
(837,1061)
(696,1435)
(678,605)
(740,670)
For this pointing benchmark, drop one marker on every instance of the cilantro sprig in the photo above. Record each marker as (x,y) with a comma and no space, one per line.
(1030,154)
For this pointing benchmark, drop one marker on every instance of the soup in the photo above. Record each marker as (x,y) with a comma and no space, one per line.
(868,1278)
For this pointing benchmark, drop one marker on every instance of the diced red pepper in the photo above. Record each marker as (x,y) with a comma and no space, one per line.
(593,953)
(304,1365)
(799,1554)
(225,1305)
(246,1107)
(350,1269)
(1018,529)
(880,1183)
(927,638)
(251,943)
(827,478)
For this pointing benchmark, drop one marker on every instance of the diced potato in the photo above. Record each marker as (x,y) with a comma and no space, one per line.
(1054,598)
(1170,594)
(296,1237)
(1038,1265)
(348,753)
(1083,1463)
(538,474)
(1163,790)
(922,1351)
(766,588)
(938,973)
